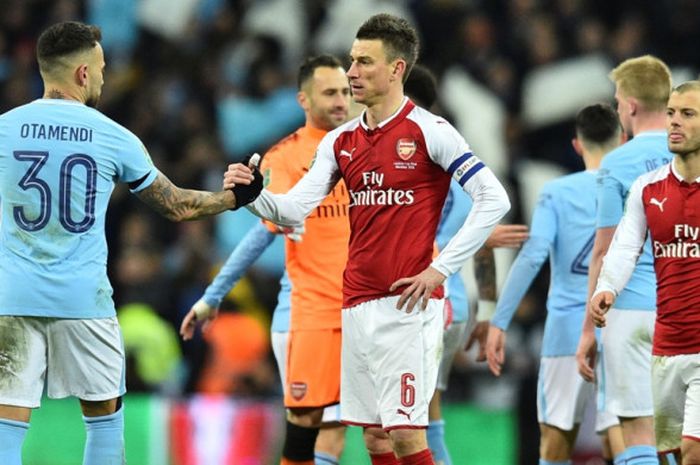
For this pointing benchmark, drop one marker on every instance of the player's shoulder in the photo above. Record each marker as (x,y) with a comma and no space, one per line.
(428,120)
(569,185)
(654,176)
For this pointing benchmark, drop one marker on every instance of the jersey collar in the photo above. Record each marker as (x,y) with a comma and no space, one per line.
(314,133)
(677,175)
(403,110)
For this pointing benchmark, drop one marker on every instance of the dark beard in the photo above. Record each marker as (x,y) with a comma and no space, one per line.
(93,102)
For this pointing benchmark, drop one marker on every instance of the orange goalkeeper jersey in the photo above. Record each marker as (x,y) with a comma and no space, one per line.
(315,265)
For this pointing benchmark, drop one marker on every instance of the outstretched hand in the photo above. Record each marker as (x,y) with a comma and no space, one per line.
(201,312)
(246,182)
(420,287)
(508,235)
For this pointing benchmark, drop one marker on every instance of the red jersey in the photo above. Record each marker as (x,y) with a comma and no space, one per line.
(669,208)
(397,175)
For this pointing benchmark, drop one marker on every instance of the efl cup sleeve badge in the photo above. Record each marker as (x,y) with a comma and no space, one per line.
(405,148)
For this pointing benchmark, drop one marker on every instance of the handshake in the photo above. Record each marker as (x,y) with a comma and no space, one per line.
(246,182)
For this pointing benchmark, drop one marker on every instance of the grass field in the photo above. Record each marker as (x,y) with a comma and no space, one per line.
(57,434)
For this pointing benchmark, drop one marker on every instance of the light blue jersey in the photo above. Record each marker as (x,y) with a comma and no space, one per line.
(563,228)
(246,252)
(59,162)
(455,211)
(619,169)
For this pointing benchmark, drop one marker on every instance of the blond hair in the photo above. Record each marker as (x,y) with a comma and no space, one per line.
(687,86)
(646,79)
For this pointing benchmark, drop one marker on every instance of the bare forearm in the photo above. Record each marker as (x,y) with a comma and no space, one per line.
(485,273)
(178,204)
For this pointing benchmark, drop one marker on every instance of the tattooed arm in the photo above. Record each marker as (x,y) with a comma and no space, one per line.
(178,204)
(485,275)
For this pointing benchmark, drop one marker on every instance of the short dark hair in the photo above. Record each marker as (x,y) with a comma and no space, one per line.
(399,38)
(421,86)
(63,39)
(597,124)
(307,68)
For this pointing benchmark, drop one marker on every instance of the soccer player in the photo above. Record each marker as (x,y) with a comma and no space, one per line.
(663,204)
(642,87)
(421,87)
(312,283)
(59,161)
(563,228)
(397,160)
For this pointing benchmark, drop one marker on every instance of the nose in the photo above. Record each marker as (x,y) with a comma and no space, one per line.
(352,71)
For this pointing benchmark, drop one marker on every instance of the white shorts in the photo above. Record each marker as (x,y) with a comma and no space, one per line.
(389,365)
(676,386)
(82,358)
(562,395)
(454,338)
(626,363)
(331,414)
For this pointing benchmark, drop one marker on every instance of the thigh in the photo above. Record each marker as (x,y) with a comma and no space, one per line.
(404,358)
(691,411)
(23,361)
(313,364)
(86,359)
(561,393)
(669,399)
(626,357)
(454,339)
(357,389)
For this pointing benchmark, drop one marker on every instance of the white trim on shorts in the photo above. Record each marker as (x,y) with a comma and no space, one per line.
(676,388)
(626,358)
(83,358)
(390,360)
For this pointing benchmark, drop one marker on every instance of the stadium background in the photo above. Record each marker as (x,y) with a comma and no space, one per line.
(206,82)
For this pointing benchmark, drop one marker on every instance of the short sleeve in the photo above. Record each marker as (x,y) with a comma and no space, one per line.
(136,164)
(611,199)
(544,219)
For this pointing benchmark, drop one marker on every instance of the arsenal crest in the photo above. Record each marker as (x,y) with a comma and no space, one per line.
(405,148)
(298,390)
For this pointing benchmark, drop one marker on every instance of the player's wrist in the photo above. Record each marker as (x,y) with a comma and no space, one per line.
(485,310)
(247,193)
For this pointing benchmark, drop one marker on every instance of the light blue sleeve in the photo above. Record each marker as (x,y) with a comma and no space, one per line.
(246,252)
(529,260)
(454,213)
(611,199)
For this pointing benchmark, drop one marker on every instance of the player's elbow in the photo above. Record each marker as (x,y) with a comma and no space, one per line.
(502,201)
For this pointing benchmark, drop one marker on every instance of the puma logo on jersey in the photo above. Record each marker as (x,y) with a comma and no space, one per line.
(406,414)
(345,153)
(653,201)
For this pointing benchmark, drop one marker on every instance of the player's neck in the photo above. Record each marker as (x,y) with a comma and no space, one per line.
(380,111)
(591,160)
(648,122)
(53,91)
(688,166)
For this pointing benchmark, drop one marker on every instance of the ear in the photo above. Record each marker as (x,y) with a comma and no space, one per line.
(398,70)
(578,147)
(633,104)
(81,75)
(303,100)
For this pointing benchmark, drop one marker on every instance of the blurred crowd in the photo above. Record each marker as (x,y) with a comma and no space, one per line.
(207,82)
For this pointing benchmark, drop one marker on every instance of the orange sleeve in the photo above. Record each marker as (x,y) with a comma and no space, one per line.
(276,175)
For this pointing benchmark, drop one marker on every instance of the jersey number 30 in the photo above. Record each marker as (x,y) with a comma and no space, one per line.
(31,180)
